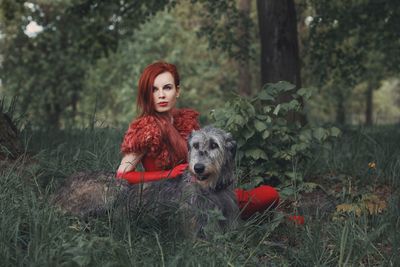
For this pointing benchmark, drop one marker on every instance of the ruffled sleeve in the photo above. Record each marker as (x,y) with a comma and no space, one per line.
(185,121)
(142,136)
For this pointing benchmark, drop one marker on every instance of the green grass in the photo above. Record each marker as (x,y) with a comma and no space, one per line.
(34,233)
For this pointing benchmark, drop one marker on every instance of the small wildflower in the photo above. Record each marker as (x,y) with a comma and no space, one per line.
(372,165)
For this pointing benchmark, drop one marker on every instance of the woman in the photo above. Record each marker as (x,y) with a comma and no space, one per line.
(157,138)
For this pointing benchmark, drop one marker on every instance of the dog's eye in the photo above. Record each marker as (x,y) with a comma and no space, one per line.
(196,145)
(213,145)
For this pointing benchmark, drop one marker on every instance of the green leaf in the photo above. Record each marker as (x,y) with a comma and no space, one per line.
(238,119)
(264,95)
(267,109)
(305,136)
(248,133)
(306,93)
(276,110)
(288,191)
(294,176)
(259,125)
(294,104)
(256,153)
(265,134)
(284,86)
(319,134)
(335,131)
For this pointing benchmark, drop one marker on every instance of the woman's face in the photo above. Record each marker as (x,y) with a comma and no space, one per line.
(165,92)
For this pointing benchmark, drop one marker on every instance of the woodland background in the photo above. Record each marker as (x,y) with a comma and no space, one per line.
(74,63)
(310,89)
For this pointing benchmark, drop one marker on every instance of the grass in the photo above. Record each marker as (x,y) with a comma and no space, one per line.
(34,233)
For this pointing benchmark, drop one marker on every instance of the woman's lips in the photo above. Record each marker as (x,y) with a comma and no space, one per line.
(163,104)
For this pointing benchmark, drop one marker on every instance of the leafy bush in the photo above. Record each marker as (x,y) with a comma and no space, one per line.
(268,145)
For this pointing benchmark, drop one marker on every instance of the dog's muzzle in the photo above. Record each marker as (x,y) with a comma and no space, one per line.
(199,170)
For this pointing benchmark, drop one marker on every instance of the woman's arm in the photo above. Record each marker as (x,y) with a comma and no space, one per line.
(129,162)
(126,170)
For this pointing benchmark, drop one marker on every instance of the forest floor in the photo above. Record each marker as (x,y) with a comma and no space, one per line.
(348,210)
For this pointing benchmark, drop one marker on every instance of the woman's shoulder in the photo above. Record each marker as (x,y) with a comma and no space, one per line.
(145,121)
(143,134)
(186,120)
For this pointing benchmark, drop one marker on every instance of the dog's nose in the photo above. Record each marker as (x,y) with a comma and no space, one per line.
(199,168)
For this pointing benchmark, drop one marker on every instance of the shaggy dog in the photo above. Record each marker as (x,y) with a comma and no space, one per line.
(204,193)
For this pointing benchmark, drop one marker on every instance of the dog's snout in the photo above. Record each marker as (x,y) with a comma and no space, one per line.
(199,168)
(203,153)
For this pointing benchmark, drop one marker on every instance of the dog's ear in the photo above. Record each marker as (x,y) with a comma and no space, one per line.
(189,139)
(230,144)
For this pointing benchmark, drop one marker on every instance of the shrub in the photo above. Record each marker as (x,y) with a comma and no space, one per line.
(269,146)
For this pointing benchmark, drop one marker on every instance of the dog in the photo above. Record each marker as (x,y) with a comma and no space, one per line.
(203,193)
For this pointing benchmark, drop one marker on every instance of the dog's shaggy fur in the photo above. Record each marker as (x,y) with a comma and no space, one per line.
(204,193)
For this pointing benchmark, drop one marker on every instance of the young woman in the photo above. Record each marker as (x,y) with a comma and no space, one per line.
(157,138)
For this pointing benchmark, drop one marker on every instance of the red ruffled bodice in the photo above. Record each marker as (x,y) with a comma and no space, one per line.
(144,137)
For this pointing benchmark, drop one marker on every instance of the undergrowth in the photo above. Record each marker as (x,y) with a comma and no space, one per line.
(34,233)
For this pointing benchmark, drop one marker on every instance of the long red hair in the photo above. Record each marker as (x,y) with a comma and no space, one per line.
(175,143)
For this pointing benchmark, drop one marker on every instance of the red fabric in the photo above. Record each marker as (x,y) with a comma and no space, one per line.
(296,219)
(151,176)
(256,200)
(144,137)
(149,164)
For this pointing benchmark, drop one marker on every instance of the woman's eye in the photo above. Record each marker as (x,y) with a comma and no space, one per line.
(155,89)
(213,145)
(196,145)
(168,87)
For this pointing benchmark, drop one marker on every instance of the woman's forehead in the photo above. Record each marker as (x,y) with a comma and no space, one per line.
(164,78)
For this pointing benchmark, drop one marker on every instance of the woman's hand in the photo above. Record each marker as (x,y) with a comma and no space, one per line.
(143,177)
(178,170)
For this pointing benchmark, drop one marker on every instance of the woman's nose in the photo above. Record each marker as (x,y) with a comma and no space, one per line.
(161,94)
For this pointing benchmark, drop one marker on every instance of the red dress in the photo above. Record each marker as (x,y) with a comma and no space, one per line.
(144,137)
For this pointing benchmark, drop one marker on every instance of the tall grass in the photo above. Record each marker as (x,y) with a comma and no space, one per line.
(34,233)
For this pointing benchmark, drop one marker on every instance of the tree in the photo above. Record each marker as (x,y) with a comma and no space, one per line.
(279,43)
(48,70)
(10,145)
(279,47)
(278,36)
(111,83)
(352,42)
(244,82)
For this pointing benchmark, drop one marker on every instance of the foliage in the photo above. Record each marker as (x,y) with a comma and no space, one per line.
(347,43)
(110,86)
(33,232)
(267,144)
(48,70)
(88,74)
(220,23)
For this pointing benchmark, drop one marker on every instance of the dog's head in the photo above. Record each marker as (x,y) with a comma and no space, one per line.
(212,157)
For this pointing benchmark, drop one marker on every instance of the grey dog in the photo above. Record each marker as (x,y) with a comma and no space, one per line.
(204,193)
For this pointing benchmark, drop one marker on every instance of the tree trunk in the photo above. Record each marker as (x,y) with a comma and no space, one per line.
(279,42)
(369,104)
(244,84)
(279,46)
(10,145)
(340,111)
(53,113)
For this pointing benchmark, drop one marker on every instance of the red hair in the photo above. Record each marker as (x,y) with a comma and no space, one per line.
(145,102)
(175,143)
